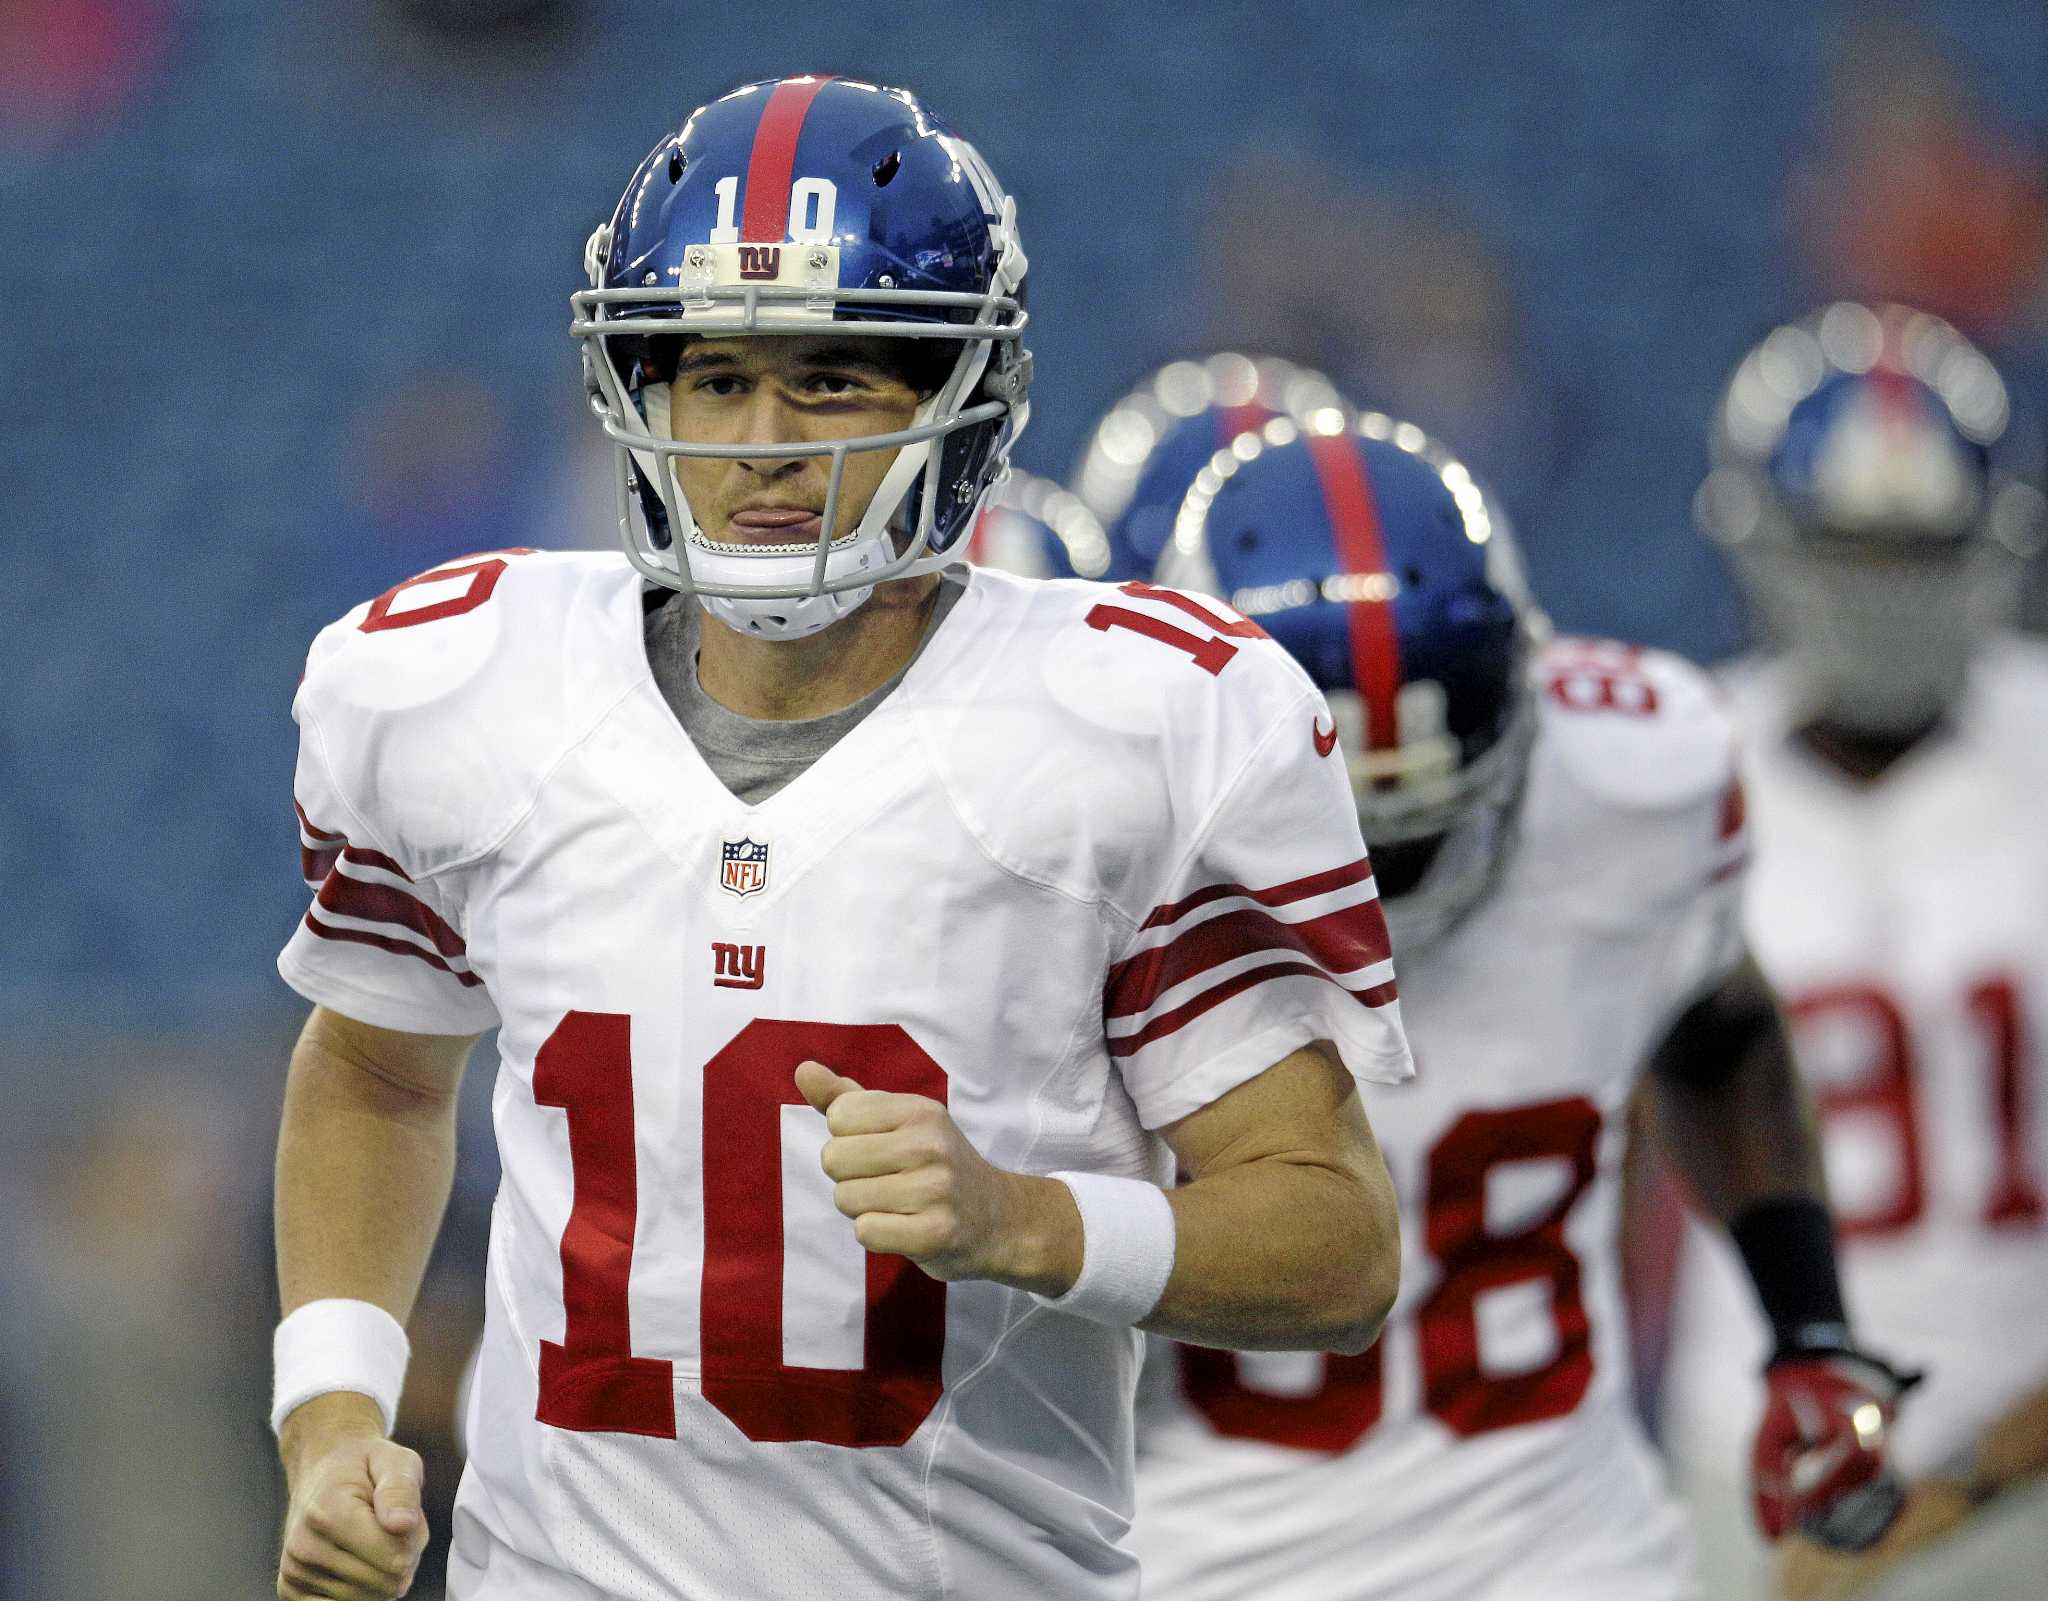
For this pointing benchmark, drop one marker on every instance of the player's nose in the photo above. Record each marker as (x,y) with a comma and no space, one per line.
(769,420)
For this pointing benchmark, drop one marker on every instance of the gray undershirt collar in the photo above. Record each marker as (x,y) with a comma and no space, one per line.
(752,757)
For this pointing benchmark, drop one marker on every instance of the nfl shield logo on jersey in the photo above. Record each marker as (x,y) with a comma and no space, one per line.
(744,869)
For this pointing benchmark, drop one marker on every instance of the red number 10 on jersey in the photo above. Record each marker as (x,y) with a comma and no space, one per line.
(592,1380)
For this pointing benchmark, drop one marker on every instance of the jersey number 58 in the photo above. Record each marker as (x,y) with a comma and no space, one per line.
(1472,1260)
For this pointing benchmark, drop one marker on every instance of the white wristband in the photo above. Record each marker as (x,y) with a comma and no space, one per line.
(333,1345)
(1127,1242)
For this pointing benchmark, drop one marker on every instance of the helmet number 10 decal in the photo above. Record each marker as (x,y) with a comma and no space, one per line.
(813,206)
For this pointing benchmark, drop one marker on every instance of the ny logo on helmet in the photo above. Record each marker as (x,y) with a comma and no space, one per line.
(760,261)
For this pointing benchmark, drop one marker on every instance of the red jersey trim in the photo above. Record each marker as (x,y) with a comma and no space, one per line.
(322,853)
(1297,889)
(1170,1022)
(1342,941)
(397,947)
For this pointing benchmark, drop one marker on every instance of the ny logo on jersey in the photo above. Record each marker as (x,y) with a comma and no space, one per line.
(738,967)
(743,870)
(760,261)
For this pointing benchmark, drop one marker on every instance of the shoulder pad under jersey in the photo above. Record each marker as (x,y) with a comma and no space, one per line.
(440,706)
(1639,729)
(1102,725)
(1634,800)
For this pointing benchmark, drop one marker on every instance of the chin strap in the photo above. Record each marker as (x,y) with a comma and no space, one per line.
(785,619)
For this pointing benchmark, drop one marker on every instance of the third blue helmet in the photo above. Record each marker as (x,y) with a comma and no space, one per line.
(1375,558)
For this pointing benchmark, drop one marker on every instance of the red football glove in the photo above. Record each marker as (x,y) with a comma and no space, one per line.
(1819,1467)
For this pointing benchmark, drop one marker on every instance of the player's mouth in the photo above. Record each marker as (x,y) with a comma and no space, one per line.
(774,525)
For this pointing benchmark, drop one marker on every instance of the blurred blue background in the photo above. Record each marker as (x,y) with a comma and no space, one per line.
(288,291)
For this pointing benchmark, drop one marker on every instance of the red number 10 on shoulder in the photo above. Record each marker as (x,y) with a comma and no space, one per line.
(1212,653)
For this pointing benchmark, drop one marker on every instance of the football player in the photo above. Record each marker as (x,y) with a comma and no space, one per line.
(854,923)
(1865,489)
(1149,445)
(1558,836)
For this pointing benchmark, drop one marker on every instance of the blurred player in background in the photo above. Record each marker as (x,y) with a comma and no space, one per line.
(1558,836)
(1149,445)
(810,875)
(1032,527)
(1898,741)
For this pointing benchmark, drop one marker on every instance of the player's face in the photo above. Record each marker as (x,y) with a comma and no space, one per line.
(781,388)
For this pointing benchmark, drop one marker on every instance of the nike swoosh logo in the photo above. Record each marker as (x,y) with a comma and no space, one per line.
(1325,743)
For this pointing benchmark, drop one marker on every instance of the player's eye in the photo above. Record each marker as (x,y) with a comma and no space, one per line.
(834,384)
(719,384)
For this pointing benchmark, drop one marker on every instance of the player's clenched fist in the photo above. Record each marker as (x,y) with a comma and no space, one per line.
(355,1529)
(915,1186)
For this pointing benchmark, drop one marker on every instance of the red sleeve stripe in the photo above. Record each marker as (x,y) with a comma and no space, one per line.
(361,901)
(1298,889)
(360,897)
(397,947)
(1734,814)
(1169,1022)
(319,848)
(1340,941)
(320,834)
(316,863)
(1223,976)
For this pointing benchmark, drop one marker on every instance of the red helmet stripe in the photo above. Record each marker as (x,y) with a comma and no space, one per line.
(1246,419)
(1897,405)
(772,164)
(1355,521)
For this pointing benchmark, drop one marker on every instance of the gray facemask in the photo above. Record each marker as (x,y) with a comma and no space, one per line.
(1877,643)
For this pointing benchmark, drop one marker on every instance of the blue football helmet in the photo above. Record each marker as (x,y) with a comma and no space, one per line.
(1145,453)
(785,208)
(1864,488)
(1371,553)
(1030,525)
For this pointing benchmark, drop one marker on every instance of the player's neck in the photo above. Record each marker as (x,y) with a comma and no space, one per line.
(1859,755)
(780,680)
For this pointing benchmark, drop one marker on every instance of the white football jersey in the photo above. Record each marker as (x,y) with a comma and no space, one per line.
(1080,874)
(1905,925)
(1486,1448)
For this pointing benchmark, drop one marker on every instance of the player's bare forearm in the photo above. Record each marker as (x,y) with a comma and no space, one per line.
(365,1159)
(1287,1236)
(1730,1107)
(2012,1450)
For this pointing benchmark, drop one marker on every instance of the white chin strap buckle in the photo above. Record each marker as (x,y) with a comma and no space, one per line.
(795,618)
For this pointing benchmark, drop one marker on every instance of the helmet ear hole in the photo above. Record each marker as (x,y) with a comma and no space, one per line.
(886,169)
